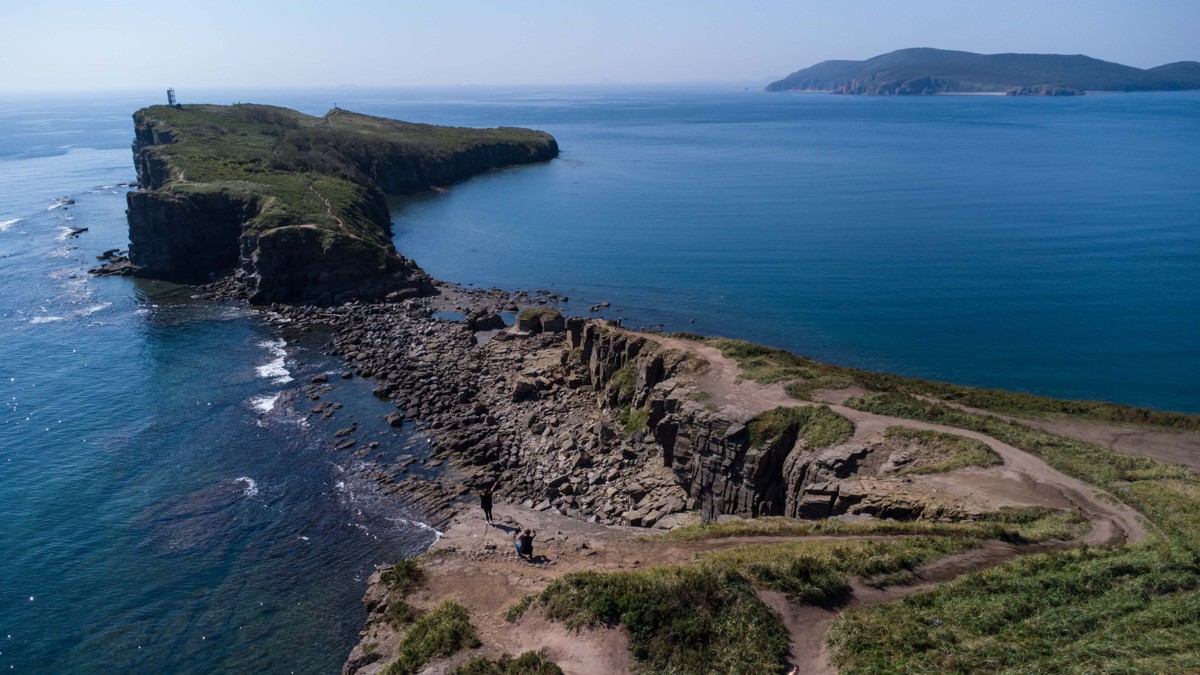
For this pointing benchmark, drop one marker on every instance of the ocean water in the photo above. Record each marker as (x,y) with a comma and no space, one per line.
(164,504)
(166,507)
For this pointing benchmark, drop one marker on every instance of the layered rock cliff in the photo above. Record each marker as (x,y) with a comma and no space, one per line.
(295,205)
(795,462)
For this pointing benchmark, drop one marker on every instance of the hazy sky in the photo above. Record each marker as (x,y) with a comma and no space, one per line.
(119,44)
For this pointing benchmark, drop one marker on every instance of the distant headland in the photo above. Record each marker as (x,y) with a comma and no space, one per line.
(925,71)
(293,204)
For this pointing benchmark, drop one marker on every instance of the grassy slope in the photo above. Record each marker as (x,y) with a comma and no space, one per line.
(992,72)
(804,375)
(1129,608)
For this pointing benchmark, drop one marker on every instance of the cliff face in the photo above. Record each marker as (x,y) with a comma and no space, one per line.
(399,173)
(294,205)
(717,459)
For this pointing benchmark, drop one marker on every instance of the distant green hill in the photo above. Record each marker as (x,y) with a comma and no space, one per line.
(933,71)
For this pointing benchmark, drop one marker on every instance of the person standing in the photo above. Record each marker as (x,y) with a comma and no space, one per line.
(485,501)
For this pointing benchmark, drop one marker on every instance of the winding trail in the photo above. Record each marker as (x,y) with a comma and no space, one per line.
(1111,521)
(475,564)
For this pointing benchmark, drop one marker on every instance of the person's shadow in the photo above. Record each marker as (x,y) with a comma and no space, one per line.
(507,529)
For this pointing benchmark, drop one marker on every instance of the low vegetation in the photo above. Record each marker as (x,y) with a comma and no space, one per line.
(1128,608)
(440,632)
(818,426)
(1018,525)
(769,365)
(529,663)
(707,617)
(814,572)
(623,382)
(1092,463)
(1133,609)
(518,610)
(327,173)
(945,452)
(679,619)
(538,313)
(633,420)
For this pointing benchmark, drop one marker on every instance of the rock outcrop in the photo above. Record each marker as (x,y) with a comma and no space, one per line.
(294,205)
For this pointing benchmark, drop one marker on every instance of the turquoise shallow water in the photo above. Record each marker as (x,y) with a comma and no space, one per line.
(163,508)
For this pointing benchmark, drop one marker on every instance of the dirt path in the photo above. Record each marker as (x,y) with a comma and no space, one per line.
(1171,447)
(1111,520)
(476,564)
(328,207)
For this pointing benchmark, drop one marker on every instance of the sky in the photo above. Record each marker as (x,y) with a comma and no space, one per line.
(71,45)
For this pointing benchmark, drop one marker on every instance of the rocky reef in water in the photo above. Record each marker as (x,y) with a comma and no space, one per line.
(294,205)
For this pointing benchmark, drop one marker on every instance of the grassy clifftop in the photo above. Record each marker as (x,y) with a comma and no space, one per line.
(310,186)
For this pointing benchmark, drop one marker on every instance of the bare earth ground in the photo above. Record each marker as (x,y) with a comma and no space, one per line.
(476,565)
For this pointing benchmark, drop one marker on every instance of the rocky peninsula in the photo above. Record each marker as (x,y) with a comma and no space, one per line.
(701,504)
(293,205)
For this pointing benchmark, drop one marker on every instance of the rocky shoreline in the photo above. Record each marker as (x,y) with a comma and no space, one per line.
(495,405)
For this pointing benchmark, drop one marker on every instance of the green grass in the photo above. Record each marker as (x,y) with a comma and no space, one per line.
(768,365)
(818,426)
(518,610)
(953,452)
(285,164)
(1016,525)
(814,572)
(538,312)
(679,620)
(707,617)
(622,384)
(1125,475)
(403,576)
(1128,608)
(633,421)
(400,580)
(529,663)
(439,633)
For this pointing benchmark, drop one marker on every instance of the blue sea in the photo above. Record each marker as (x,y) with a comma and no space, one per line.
(168,505)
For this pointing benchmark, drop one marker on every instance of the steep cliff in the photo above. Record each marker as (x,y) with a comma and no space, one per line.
(294,205)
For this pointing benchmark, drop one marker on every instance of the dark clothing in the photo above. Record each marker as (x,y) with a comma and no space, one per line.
(525,545)
(485,503)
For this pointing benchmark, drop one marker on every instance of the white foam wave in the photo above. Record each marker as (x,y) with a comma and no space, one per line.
(5,224)
(47,319)
(421,526)
(251,485)
(93,309)
(265,403)
(275,370)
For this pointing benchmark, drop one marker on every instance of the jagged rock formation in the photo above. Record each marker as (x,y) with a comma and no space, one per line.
(295,204)
(730,466)
(924,71)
